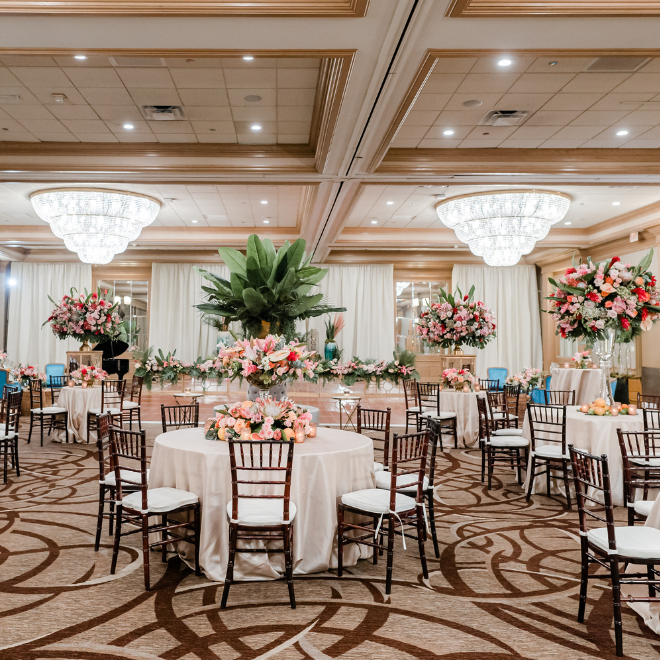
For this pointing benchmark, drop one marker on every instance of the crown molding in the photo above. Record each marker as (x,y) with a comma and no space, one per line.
(514,8)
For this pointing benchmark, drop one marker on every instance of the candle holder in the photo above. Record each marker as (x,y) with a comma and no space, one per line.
(614,411)
(565,365)
(632,409)
(312,430)
(186,390)
(477,387)
(84,384)
(440,387)
(466,388)
(300,434)
(71,382)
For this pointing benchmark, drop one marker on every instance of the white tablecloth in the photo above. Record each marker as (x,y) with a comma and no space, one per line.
(78,402)
(324,468)
(464,404)
(585,382)
(597,435)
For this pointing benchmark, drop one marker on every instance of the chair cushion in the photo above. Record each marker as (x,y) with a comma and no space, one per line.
(514,441)
(49,410)
(4,437)
(643,507)
(378,467)
(639,542)
(413,409)
(160,500)
(442,415)
(550,451)
(133,477)
(377,500)
(650,462)
(112,411)
(507,432)
(261,512)
(500,415)
(130,405)
(384,481)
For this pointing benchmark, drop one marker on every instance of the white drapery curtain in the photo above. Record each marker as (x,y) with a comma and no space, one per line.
(29,307)
(367,292)
(174,323)
(512,295)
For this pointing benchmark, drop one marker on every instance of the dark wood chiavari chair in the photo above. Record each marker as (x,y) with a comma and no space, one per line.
(11,413)
(548,424)
(56,385)
(512,397)
(112,401)
(651,419)
(54,416)
(498,448)
(559,397)
(640,451)
(412,403)
(377,423)
(390,510)
(428,396)
(648,401)
(500,416)
(609,546)
(132,403)
(255,516)
(180,417)
(128,456)
(489,384)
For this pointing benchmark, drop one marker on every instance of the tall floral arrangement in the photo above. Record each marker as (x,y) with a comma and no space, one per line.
(528,378)
(456,321)
(594,296)
(87,317)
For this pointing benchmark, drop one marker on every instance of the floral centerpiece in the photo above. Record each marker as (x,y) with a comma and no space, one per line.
(263,419)
(582,359)
(528,378)
(24,372)
(458,378)
(89,375)
(3,357)
(456,321)
(87,317)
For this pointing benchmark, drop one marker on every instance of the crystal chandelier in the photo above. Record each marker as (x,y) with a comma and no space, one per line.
(502,226)
(95,223)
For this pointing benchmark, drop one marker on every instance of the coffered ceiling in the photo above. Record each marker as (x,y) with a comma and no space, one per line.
(359,104)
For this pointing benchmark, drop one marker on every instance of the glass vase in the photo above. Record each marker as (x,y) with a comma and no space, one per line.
(604,348)
(330,350)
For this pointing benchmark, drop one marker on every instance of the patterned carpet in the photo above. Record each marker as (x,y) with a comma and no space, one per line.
(504,587)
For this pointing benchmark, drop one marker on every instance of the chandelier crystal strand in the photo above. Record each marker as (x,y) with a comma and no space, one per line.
(96,224)
(503,226)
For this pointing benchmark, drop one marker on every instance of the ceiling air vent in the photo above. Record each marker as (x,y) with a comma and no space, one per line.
(504,118)
(163,112)
(138,61)
(619,64)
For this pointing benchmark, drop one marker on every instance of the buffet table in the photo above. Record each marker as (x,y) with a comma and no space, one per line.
(324,468)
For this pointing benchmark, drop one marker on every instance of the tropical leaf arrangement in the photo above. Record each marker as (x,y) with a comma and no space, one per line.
(266,285)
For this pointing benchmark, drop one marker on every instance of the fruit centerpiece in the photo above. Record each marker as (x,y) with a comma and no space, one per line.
(89,375)
(601,408)
(458,379)
(263,419)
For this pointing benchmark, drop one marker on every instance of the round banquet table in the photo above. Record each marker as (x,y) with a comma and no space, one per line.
(598,436)
(464,404)
(585,382)
(78,402)
(324,468)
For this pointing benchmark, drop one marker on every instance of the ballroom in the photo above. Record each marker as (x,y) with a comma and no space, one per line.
(329,329)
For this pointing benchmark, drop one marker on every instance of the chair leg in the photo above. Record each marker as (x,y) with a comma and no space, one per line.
(145,551)
(287,533)
(584,579)
(111,517)
(530,476)
(31,425)
(421,533)
(407,421)
(197,531)
(115,547)
(4,451)
(163,537)
(434,532)
(616,598)
(375,553)
(567,485)
(99,519)
(66,427)
(340,539)
(229,575)
(390,554)
(455,432)
(631,515)
(489,451)
(18,468)
(41,428)
(519,466)
(547,477)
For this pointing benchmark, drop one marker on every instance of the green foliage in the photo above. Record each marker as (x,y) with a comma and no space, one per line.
(266,285)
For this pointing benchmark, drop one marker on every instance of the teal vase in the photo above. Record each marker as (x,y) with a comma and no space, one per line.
(330,350)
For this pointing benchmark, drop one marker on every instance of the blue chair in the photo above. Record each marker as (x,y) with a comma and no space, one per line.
(4,378)
(538,396)
(499,374)
(55,369)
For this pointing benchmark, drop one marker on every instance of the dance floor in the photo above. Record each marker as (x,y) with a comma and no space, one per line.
(505,586)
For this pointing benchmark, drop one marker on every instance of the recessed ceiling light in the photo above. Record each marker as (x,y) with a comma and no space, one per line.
(255,127)
(472,103)
(266,222)
(448,132)
(374,222)
(264,201)
(553,63)
(390,203)
(252,98)
(248,58)
(616,203)
(195,222)
(505,62)
(80,57)
(567,223)
(622,132)
(128,126)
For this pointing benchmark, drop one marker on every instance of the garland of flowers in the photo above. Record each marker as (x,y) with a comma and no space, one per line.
(528,378)
(86,317)
(595,296)
(456,321)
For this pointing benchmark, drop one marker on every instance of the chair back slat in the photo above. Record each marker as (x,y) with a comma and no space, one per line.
(128,454)
(180,417)
(257,463)
(102,445)
(484,422)
(136,389)
(377,422)
(648,401)
(36,393)
(651,419)
(112,394)
(640,453)
(410,393)
(512,397)
(56,385)
(409,455)
(489,384)
(547,423)
(11,411)
(428,397)
(559,397)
